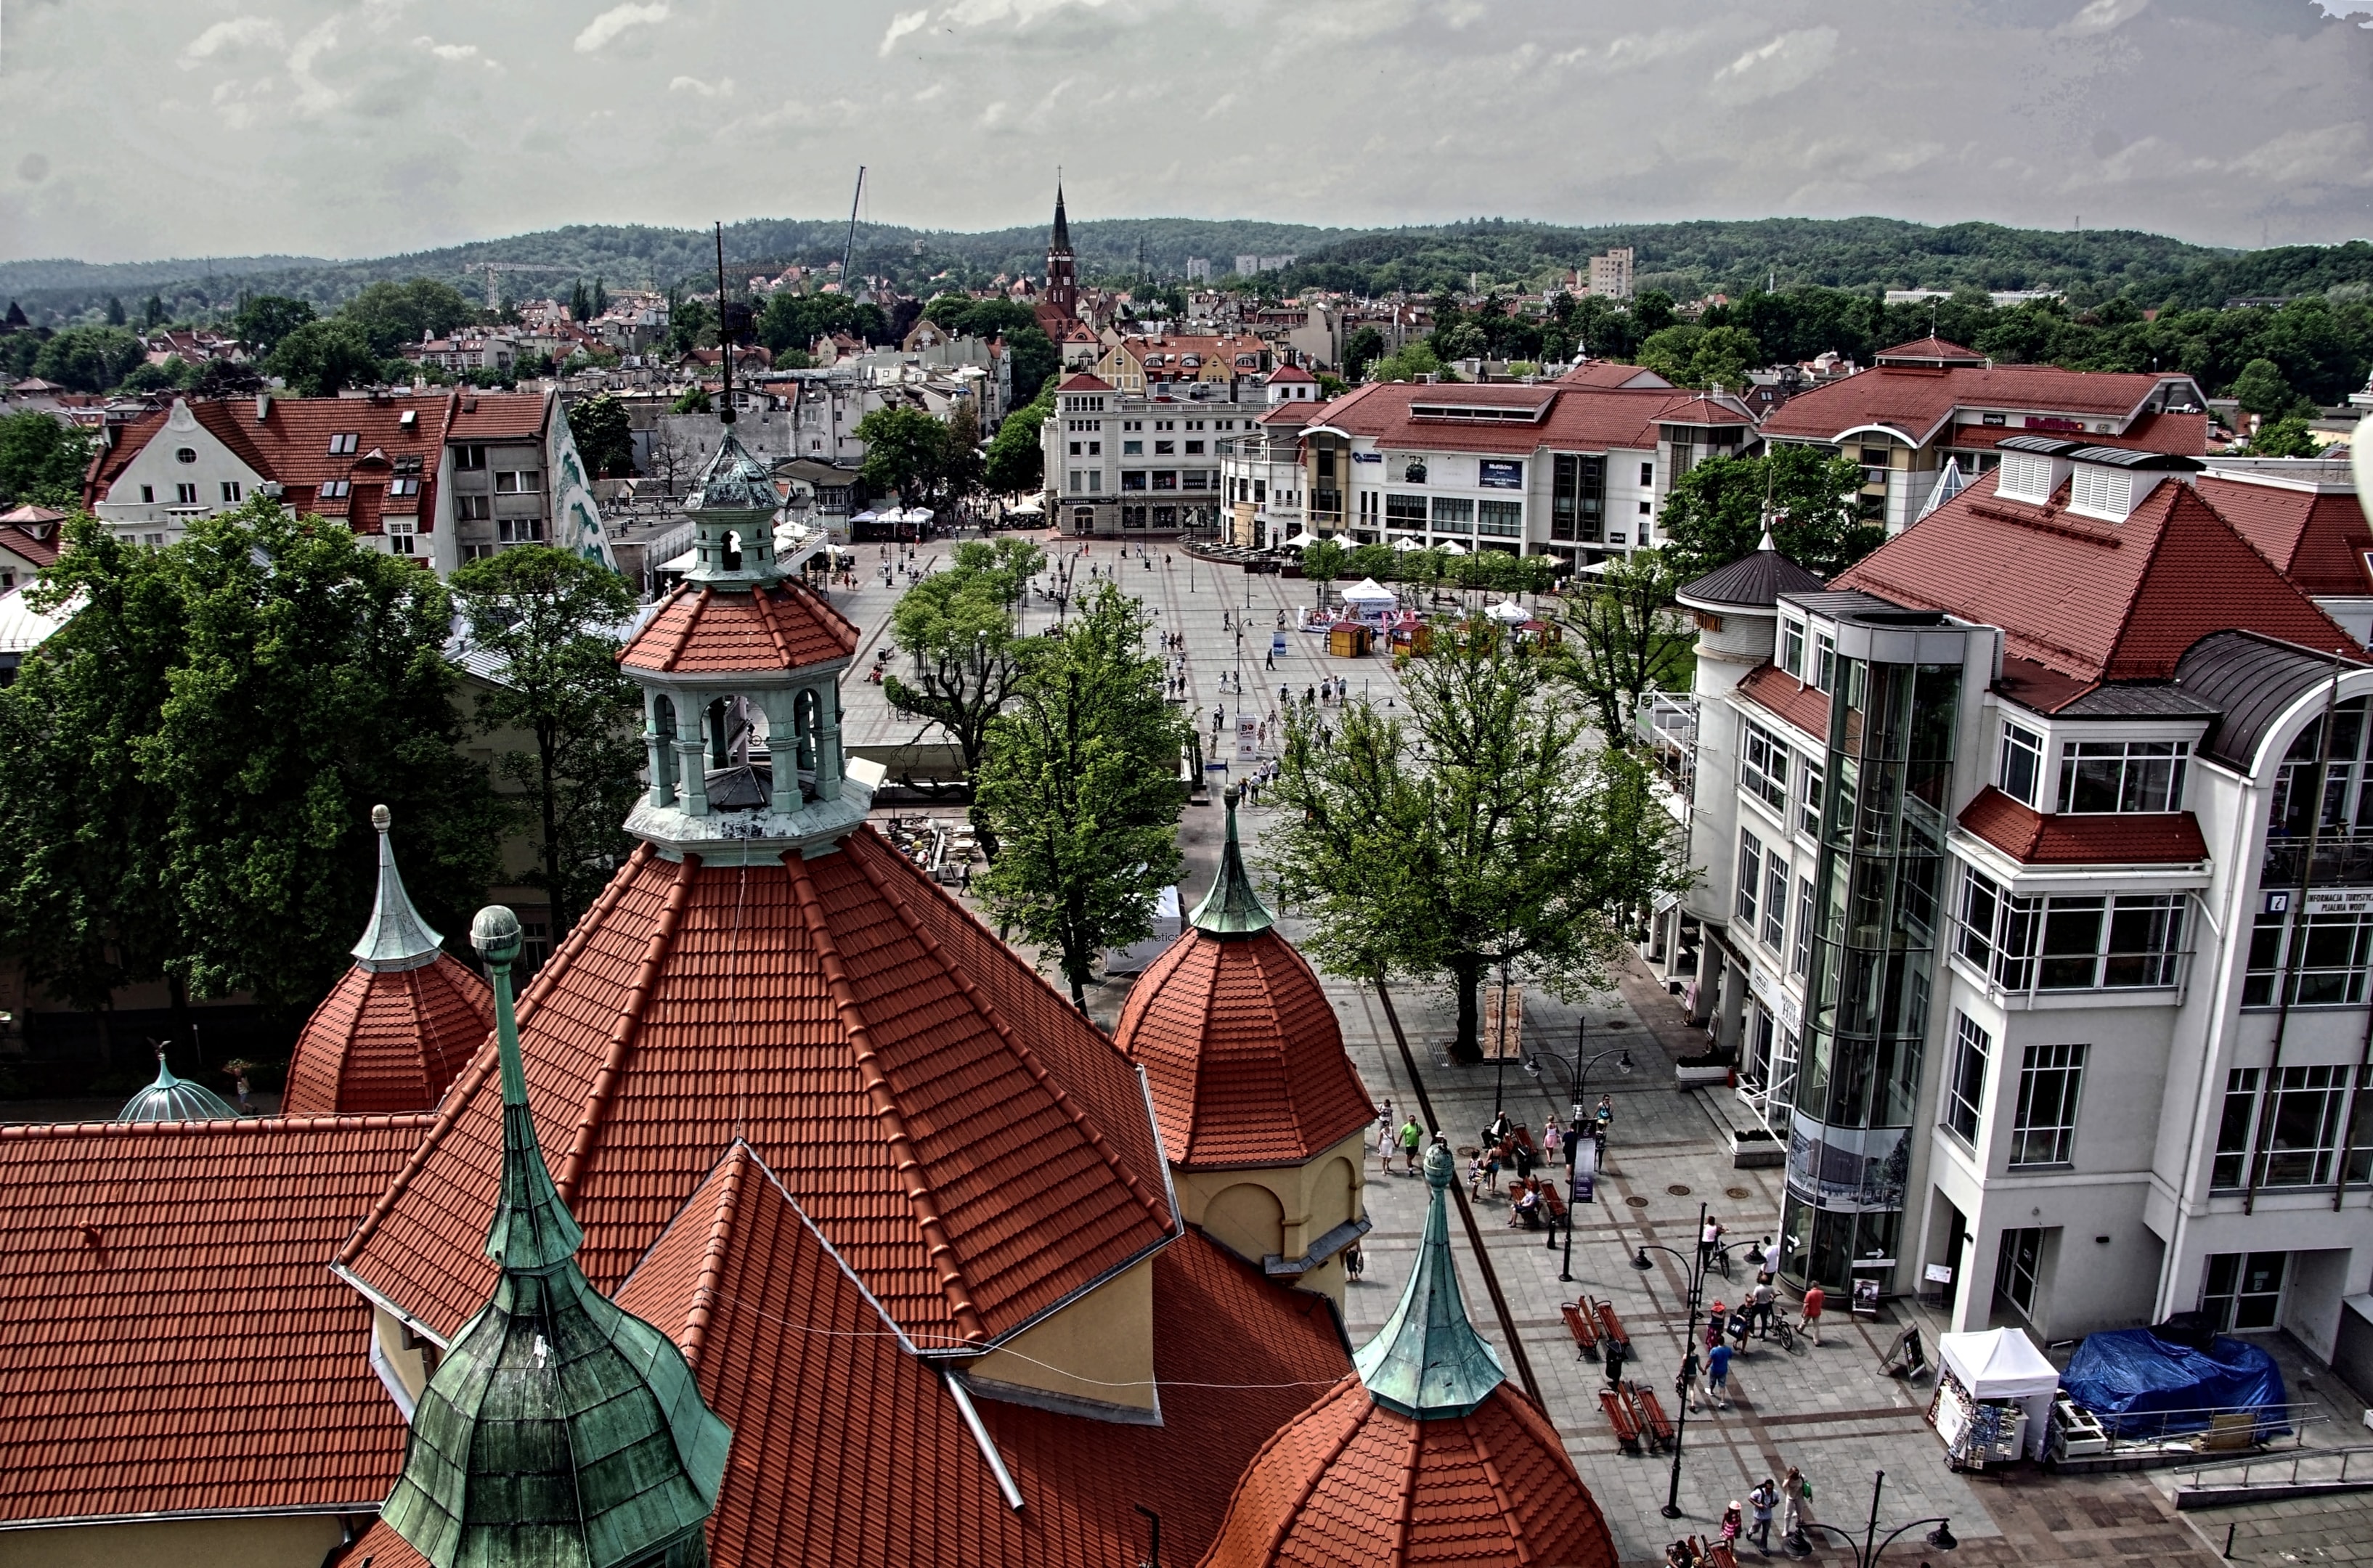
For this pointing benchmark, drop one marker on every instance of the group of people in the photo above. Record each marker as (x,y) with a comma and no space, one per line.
(1789,1497)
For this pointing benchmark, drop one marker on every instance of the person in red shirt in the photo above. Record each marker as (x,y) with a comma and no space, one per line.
(1813,1304)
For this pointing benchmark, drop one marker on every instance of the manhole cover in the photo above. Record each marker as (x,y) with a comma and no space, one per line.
(1736,1192)
(1677,1190)
(1637,1202)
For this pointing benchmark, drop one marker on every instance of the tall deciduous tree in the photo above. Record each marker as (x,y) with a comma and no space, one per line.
(1620,639)
(957,627)
(230,709)
(1715,512)
(1080,783)
(603,433)
(1483,829)
(88,359)
(906,451)
(321,359)
(40,460)
(264,319)
(1322,562)
(552,618)
(1016,465)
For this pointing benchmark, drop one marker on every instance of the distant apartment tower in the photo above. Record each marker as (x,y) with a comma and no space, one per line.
(1198,269)
(1247,266)
(1610,276)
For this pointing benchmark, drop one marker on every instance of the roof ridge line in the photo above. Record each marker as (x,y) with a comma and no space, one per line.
(920,1195)
(459,1094)
(1405,1518)
(1071,1108)
(245,1126)
(1499,1488)
(712,1255)
(1202,1057)
(623,1030)
(759,599)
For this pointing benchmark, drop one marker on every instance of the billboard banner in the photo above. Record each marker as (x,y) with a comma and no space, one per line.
(1494,473)
(1585,1168)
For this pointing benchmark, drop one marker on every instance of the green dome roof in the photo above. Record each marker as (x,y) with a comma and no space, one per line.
(175,1100)
(559,1432)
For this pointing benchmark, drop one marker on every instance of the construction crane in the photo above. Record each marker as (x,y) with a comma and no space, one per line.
(494,284)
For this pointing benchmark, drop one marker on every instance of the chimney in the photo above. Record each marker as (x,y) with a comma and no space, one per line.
(263,407)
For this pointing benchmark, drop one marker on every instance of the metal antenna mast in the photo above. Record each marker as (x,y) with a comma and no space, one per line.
(848,251)
(724,333)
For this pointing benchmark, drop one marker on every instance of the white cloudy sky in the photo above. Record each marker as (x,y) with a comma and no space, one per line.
(140,128)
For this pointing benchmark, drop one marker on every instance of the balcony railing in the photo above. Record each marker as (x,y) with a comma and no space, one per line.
(2339,862)
(1668,726)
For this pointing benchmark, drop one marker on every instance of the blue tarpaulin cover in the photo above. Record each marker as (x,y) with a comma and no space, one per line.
(2139,1385)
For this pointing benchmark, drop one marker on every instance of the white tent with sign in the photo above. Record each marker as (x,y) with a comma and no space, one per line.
(2001,1366)
(1370,601)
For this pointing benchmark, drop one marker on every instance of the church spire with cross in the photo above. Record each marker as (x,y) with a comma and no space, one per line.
(1062,270)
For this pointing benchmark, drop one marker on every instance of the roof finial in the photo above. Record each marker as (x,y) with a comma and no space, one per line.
(724,337)
(1232,907)
(1428,1361)
(397,938)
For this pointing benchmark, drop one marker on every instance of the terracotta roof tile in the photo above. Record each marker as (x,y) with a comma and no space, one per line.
(21,543)
(1931,347)
(2177,435)
(1351,1483)
(701,631)
(849,1452)
(1783,695)
(2316,539)
(1243,1052)
(1028,1127)
(170,1340)
(2163,837)
(2090,600)
(500,416)
(390,1041)
(1580,418)
(1915,400)
(1084,382)
(291,445)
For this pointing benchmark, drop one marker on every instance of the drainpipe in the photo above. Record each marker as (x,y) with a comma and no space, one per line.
(2260,1122)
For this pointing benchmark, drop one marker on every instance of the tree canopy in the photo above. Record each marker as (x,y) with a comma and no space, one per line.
(391,315)
(231,708)
(956,628)
(41,461)
(1482,830)
(793,321)
(1621,639)
(1016,465)
(88,359)
(1713,514)
(1079,781)
(908,451)
(321,359)
(604,437)
(264,319)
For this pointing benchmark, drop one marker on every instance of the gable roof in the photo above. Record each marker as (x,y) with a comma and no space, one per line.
(1930,350)
(2316,535)
(1608,373)
(170,1340)
(2090,600)
(1915,400)
(1083,382)
(976,1151)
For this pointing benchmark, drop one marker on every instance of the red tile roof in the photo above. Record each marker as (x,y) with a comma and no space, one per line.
(390,1041)
(291,444)
(2034,686)
(699,630)
(2163,837)
(25,546)
(170,1340)
(1351,1484)
(1783,695)
(1083,382)
(1580,419)
(1916,399)
(976,1150)
(2317,538)
(501,417)
(1243,1052)
(1606,373)
(2178,435)
(1930,349)
(849,1452)
(2090,600)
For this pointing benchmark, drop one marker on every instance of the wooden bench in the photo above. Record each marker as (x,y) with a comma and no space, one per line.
(1652,1417)
(1609,1325)
(1618,1416)
(1584,1332)
(1552,1205)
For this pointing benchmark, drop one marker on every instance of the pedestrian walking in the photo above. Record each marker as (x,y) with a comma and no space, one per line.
(1764,1305)
(1412,1140)
(1718,1379)
(1714,1325)
(1795,1496)
(1761,1501)
(1709,1241)
(1813,1301)
(1731,1523)
(1385,1131)
(238,1073)
(1552,1142)
(1686,1386)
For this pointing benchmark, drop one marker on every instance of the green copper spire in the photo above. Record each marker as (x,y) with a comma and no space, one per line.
(558,1431)
(397,938)
(175,1100)
(1428,1361)
(1232,908)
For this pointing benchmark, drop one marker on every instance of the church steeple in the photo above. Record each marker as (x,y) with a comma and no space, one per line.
(1428,1361)
(1062,272)
(558,1430)
(1060,244)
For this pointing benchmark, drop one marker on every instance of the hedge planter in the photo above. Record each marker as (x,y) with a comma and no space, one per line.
(1695,1072)
(1752,1149)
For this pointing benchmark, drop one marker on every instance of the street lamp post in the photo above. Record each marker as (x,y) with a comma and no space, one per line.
(1867,1549)
(1693,1269)
(1579,1079)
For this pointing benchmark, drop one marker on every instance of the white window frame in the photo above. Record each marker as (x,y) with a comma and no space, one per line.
(2051,1095)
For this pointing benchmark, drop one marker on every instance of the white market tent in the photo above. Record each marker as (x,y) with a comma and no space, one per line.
(1508,613)
(1368,591)
(2002,1363)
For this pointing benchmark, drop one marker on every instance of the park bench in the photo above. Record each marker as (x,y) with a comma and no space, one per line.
(1618,1416)
(1652,1419)
(1611,1326)
(1586,1333)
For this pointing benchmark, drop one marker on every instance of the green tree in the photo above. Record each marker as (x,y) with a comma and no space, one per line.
(1411,361)
(88,359)
(1322,562)
(956,626)
(1079,783)
(389,315)
(1651,311)
(1722,357)
(696,400)
(152,312)
(1621,639)
(1015,465)
(906,451)
(226,378)
(41,461)
(264,320)
(1715,512)
(148,376)
(962,471)
(2285,438)
(1361,349)
(115,313)
(552,618)
(231,708)
(1035,361)
(2261,390)
(692,324)
(605,436)
(1483,831)
(321,359)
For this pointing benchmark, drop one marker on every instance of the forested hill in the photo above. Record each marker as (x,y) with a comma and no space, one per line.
(1862,254)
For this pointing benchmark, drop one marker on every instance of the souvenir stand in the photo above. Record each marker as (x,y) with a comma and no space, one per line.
(1994,1398)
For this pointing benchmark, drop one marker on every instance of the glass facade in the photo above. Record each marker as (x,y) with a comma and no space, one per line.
(1884,818)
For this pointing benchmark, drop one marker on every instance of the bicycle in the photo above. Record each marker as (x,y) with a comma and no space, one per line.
(1785,1333)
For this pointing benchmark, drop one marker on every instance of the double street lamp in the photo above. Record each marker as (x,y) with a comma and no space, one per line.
(1579,1076)
(1866,1551)
(1693,1269)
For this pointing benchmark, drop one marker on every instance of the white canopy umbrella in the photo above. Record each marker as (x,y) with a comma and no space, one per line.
(1451,547)
(1368,591)
(1406,542)
(1508,613)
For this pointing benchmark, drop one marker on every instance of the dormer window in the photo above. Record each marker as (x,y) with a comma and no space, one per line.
(2121,775)
(2018,771)
(2101,493)
(2025,476)
(1791,647)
